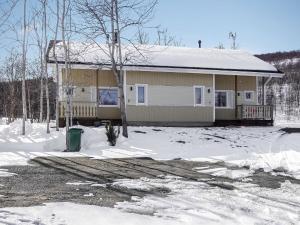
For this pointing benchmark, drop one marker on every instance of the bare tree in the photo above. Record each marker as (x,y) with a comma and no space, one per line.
(67,69)
(220,46)
(6,9)
(108,20)
(44,5)
(24,67)
(11,73)
(56,68)
(166,39)
(39,42)
(142,37)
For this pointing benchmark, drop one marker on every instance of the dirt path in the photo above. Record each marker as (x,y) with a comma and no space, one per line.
(90,181)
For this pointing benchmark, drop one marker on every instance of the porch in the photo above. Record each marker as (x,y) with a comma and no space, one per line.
(255,112)
(250,115)
(255,115)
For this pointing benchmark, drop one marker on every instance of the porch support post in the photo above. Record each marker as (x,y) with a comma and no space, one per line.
(263,91)
(235,96)
(97,91)
(214,97)
(265,85)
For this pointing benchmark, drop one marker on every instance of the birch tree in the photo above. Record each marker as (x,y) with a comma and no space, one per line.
(56,68)
(39,43)
(111,21)
(44,5)
(24,67)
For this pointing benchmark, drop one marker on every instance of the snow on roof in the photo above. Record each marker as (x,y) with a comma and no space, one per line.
(165,57)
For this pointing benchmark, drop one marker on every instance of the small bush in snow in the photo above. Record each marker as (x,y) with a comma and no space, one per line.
(112,134)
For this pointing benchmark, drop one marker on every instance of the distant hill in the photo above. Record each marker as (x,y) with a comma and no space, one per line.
(278,56)
(284,93)
(282,59)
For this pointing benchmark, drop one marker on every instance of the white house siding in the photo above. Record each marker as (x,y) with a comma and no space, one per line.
(170,98)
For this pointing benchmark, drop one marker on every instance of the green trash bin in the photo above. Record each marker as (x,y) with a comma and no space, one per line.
(74,139)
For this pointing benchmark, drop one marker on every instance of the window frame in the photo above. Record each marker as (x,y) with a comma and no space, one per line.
(227,98)
(109,106)
(252,94)
(145,86)
(202,95)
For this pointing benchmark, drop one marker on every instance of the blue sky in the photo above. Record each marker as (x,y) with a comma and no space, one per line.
(261,25)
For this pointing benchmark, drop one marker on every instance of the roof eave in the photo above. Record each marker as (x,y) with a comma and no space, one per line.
(174,69)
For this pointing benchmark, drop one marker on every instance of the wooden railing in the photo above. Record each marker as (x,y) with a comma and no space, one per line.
(255,112)
(79,109)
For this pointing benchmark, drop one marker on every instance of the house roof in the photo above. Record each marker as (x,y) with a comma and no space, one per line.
(167,58)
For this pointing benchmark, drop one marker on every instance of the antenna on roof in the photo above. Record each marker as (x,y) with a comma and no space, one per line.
(199,43)
(233,37)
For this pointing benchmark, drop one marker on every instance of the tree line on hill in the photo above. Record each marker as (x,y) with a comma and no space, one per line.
(284,93)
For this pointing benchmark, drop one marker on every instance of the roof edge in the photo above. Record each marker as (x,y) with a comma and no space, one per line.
(172,67)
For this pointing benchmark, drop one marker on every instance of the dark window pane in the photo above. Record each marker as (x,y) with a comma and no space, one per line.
(221,99)
(198,96)
(248,95)
(108,96)
(141,94)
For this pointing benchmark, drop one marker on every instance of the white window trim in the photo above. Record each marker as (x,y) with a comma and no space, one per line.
(227,98)
(109,106)
(203,95)
(249,100)
(146,94)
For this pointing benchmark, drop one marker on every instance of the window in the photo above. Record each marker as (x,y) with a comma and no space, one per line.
(225,99)
(249,95)
(108,97)
(141,94)
(198,95)
(221,99)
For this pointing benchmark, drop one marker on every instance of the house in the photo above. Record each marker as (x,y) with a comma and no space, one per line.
(168,86)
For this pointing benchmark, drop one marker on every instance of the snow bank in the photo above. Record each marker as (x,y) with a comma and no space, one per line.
(225,172)
(199,203)
(36,138)
(75,214)
(285,161)
(257,147)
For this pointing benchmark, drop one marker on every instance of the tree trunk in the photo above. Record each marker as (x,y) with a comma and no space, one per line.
(121,74)
(41,94)
(48,103)
(66,71)
(45,65)
(123,111)
(29,104)
(56,70)
(24,69)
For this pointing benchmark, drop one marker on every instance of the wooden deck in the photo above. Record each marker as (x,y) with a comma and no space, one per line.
(247,115)
(79,109)
(255,112)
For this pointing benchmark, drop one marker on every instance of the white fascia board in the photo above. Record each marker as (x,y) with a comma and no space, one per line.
(203,71)
(180,70)
(83,66)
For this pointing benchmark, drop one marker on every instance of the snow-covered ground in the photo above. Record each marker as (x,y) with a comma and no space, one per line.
(256,147)
(188,202)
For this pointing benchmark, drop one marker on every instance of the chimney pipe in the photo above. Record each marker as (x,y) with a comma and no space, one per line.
(199,43)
